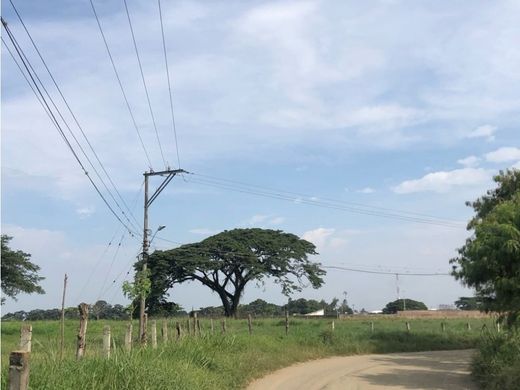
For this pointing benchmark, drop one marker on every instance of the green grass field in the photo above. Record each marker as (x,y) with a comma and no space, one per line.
(220,361)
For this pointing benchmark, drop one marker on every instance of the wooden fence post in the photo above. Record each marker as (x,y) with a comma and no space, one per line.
(286,322)
(154,334)
(332,326)
(62,324)
(407,326)
(195,324)
(106,341)
(83,320)
(178,329)
(498,327)
(128,337)
(223,326)
(25,337)
(371,326)
(468,326)
(211,326)
(19,370)
(443,327)
(250,324)
(188,327)
(144,339)
(164,331)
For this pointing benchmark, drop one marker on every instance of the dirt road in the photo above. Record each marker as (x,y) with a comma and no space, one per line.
(419,370)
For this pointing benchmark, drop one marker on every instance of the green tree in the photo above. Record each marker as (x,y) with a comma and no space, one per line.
(468,303)
(403,304)
(19,274)
(489,261)
(228,261)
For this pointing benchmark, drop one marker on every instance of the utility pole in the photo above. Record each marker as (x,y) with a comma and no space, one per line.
(168,174)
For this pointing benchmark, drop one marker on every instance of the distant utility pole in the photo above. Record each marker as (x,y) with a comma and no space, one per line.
(168,176)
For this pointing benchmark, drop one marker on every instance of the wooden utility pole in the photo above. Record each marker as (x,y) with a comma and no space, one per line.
(148,200)
(62,340)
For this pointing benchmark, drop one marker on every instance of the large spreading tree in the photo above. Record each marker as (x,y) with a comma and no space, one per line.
(228,261)
(489,261)
(19,274)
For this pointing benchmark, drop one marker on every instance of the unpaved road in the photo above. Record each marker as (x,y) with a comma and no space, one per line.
(419,370)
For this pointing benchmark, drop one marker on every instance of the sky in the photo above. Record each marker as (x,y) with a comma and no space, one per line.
(401,105)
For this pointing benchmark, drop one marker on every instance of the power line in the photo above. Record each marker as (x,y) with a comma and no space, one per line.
(55,122)
(328,205)
(385,272)
(76,121)
(121,85)
(169,84)
(144,82)
(398,211)
(102,291)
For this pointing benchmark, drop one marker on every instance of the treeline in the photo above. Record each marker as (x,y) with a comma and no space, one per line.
(102,310)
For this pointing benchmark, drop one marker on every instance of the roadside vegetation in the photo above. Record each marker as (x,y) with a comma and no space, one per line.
(220,361)
(489,262)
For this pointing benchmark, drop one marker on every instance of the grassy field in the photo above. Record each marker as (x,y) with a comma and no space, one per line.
(221,361)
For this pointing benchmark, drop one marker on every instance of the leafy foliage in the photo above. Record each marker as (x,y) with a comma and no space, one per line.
(489,262)
(19,274)
(139,288)
(468,303)
(228,261)
(403,304)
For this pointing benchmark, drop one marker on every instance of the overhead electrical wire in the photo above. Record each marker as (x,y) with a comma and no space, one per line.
(329,205)
(169,85)
(76,121)
(120,83)
(385,272)
(107,272)
(144,83)
(54,120)
(298,194)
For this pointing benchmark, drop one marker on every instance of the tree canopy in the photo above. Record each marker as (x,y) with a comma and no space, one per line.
(19,274)
(402,305)
(489,261)
(228,261)
(468,303)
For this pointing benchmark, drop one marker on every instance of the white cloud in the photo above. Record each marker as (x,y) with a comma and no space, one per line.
(258,218)
(203,231)
(486,131)
(504,154)
(277,220)
(469,162)
(318,236)
(444,181)
(85,212)
(366,190)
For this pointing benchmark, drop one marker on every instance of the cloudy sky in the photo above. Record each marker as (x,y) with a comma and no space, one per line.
(394,105)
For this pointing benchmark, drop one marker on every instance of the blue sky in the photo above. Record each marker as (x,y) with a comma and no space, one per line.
(398,104)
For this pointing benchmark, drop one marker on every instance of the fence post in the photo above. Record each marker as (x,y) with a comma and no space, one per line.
(498,327)
(332,326)
(154,334)
(249,324)
(19,370)
(25,337)
(83,320)
(195,327)
(164,331)
(468,326)
(128,337)
(223,326)
(407,326)
(371,326)
(188,327)
(106,341)
(443,327)
(144,339)
(178,329)
(211,326)
(286,322)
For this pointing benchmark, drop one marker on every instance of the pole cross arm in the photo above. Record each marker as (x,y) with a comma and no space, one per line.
(169,176)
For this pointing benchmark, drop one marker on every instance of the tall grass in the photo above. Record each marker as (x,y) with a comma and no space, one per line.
(497,364)
(219,361)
